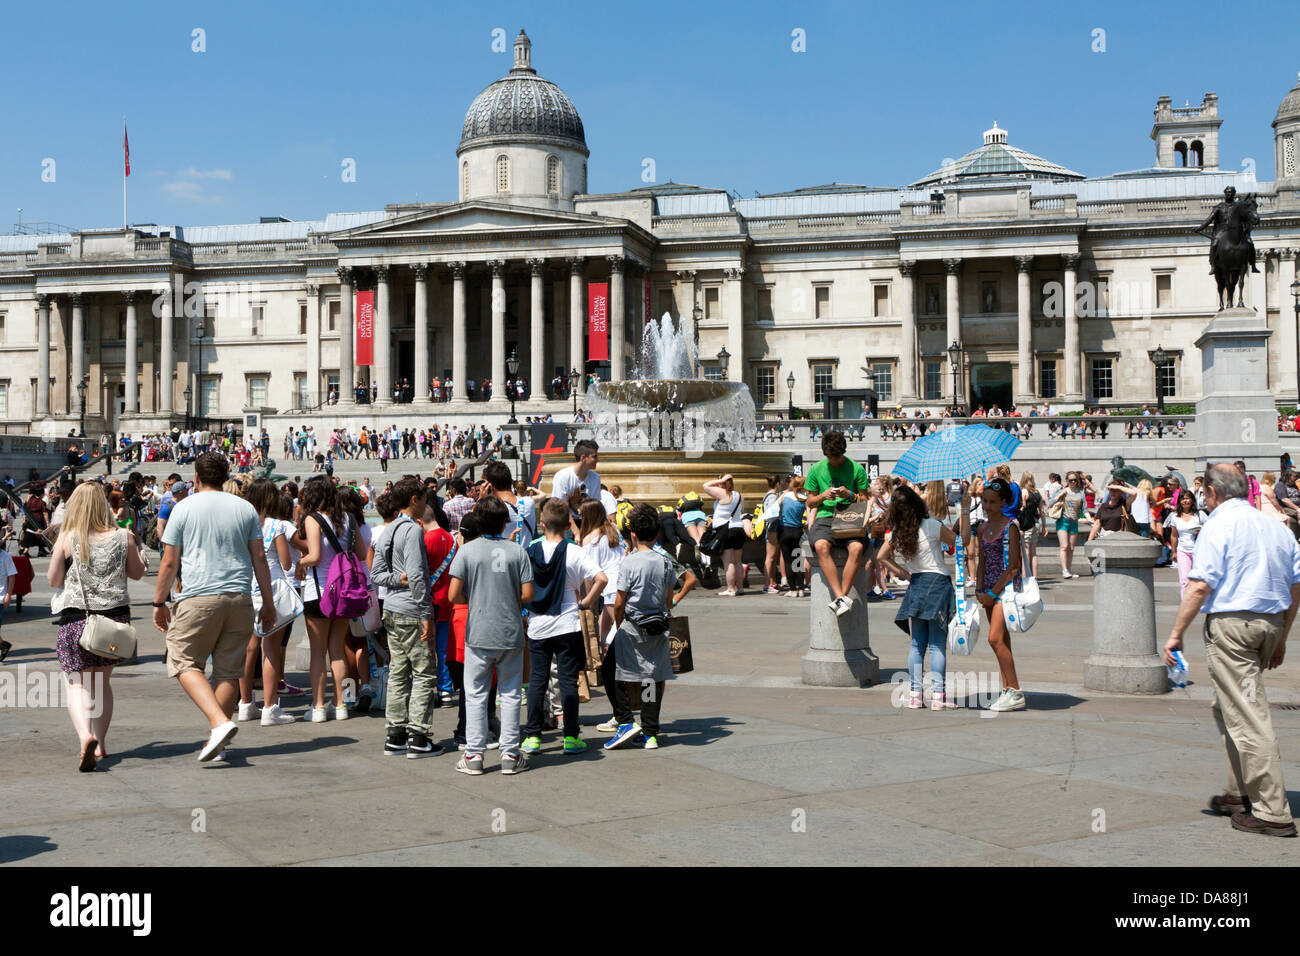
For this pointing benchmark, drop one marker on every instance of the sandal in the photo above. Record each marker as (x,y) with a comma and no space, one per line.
(88,756)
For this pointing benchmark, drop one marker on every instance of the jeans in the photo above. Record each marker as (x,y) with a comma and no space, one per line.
(443,629)
(923,633)
(618,698)
(568,652)
(509,665)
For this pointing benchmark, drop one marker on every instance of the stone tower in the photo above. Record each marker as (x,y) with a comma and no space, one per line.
(1188,136)
(1286,140)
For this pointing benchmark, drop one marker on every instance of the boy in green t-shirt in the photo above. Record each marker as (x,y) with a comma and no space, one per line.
(834,480)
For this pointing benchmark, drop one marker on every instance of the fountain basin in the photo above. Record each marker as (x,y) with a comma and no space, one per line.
(661,477)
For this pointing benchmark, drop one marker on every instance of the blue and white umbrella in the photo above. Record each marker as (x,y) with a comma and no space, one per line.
(956,452)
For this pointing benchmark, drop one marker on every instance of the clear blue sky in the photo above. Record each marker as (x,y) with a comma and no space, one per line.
(259,123)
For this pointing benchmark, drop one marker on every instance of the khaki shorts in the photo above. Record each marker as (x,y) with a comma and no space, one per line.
(219,625)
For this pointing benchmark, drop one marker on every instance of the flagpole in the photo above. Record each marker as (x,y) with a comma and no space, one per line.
(124,178)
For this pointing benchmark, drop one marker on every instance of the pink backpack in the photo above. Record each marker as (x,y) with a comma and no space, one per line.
(346,593)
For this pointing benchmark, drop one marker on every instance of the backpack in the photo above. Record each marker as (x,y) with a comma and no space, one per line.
(150,533)
(622,512)
(347,592)
(690,502)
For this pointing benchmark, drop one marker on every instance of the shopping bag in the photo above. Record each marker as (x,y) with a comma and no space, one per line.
(1021,608)
(679,645)
(964,628)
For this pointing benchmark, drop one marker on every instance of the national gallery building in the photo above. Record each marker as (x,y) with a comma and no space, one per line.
(1001,277)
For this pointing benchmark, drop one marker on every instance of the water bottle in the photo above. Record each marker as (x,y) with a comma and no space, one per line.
(1178,672)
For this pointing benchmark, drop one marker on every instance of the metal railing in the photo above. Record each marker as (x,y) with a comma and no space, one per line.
(1039,428)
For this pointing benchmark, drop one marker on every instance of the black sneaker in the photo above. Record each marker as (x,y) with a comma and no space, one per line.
(4,649)
(397,742)
(422,746)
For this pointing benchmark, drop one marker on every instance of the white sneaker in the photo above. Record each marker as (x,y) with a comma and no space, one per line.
(726,592)
(341,713)
(608,727)
(1011,699)
(249,711)
(319,715)
(844,605)
(217,739)
(273,716)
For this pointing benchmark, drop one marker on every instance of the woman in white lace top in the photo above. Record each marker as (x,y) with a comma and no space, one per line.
(91,562)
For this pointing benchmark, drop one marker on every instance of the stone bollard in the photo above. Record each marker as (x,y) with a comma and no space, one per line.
(839,647)
(1125,655)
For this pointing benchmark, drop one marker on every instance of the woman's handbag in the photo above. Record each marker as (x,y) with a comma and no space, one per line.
(712,540)
(371,620)
(286,601)
(1024,607)
(103,636)
(850,520)
(964,629)
(1058,509)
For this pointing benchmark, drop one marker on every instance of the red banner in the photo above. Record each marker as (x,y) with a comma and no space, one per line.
(598,321)
(365,354)
(647,315)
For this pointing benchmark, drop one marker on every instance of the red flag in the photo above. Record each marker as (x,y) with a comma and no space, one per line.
(598,321)
(126,152)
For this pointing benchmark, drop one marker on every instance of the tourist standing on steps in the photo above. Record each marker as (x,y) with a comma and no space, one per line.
(1245,577)
(729,520)
(580,480)
(214,539)
(994,572)
(834,480)
(99,557)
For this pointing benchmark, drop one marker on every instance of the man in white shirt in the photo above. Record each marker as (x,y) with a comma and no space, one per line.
(580,480)
(1245,577)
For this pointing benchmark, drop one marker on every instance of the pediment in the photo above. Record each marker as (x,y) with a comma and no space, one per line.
(469,217)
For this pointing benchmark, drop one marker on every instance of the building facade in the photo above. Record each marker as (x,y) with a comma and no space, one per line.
(1001,278)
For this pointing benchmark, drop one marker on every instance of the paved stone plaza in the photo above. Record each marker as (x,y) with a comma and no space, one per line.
(755,768)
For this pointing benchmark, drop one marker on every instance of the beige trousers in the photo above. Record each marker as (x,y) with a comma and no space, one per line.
(1237,649)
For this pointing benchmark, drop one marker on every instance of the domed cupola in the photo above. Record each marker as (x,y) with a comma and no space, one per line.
(1286,138)
(522,140)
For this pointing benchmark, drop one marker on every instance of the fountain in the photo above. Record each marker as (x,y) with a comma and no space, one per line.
(668,430)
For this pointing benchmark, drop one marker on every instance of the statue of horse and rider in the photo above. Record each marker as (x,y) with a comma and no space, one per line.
(1232,252)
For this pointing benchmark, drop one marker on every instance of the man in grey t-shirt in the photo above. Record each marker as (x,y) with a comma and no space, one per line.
(495,577)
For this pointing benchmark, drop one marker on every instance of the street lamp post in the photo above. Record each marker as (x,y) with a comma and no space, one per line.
(189,393)
(1158,358)
(789,383)
(954,360)
(1295,293)
(512,368)
(724,360)
(81,397)
(697,315)
(573,389)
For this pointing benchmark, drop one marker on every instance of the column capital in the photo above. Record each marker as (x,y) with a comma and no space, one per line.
(1024,263)
(311,288)
(685,275)
(537,266)
(345,275)
(421,271)
(129,296)
(77,299)
(43,300)
(383,272)
(953,266)
(734,274)
(907,267)
(458,268)
(497,267)
(1070,260)
(616,263)
(1286,253)
(577,265)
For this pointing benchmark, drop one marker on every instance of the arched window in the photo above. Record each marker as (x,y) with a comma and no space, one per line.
(464,181)
(553,175)
(1197,156)
(584,178)
(1180,149)
(503,174)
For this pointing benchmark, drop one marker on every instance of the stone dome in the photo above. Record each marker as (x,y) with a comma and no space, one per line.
(1290,106)
(523,107)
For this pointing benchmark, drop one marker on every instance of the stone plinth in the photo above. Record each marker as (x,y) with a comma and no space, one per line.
(1125,655)
(1236,418)
(839,647)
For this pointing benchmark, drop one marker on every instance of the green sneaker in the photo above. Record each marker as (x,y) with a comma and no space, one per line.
(531,745)
(652,743)
(574,745)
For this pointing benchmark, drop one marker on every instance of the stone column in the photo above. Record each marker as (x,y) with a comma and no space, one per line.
(560,345)
(315,395)
(498,269)
(420,387)
(1257,286)
(1073,354)
(132,354)
(383,332)
(537,381)
(839,646)
(43,357)
(907,390)
(577,312)
(1125,651)
(685,294)
(78,372)
(347,335)
(954,299)
(166,353)
(617,317)
(735,312)
(459,390)
(1024,332)
(1286,320)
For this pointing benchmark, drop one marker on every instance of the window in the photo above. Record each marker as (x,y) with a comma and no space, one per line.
(879,300)
(464,181)
(257,320)
(120,326)
(765,384)
(331,382)
(4,399)
(503,174)
(933,381)
(208,396)
(257,391)
(1047,378)
(4,318)
(1164,290)
(665,303)
(1101,378)
(334,316)
(764,303)
(712,300)
(301,392)
(822,303)
(823,377)
(884,373)
(1167,378)
(302,319)
(553,175)
(712,372)
(584,179)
